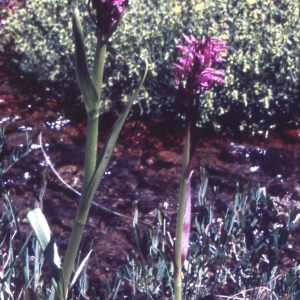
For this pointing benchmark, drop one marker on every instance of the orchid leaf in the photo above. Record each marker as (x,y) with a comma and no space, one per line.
(43,233)
(110,142)
(84,80)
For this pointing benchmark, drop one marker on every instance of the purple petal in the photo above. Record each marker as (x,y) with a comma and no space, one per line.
(198,61)
(190,40)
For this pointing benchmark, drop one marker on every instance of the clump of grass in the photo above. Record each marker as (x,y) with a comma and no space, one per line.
(21,257)
(23,272)
(233,254)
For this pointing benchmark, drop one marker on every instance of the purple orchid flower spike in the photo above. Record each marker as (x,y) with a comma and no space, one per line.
(197,64)
(109,13)
(195,73)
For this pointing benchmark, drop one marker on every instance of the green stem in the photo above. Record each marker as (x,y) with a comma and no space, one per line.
(99,59)
(180,215)
(91,183)
(89,164)
(84,203)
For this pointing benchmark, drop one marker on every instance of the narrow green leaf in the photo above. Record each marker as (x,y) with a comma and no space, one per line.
(159,218)
(13,260)
(26,268)
(135,217)
(168,241)
(197,225)
(84,80)
(202,191)
(236,202)
(80,269)
(110,142)
(40,227)
(155,241)
(39,259)
(242,219)
(43,233)
(117,284)
(246,256)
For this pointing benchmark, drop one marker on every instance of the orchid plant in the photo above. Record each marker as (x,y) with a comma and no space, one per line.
(108,16)
(195,73)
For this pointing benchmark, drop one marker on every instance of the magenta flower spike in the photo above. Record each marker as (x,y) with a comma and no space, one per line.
(195,73)
(109,12)
(197,64)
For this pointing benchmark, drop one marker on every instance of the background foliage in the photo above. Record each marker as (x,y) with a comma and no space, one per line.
(262,82)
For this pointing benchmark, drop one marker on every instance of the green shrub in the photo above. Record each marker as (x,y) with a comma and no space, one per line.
(262,82)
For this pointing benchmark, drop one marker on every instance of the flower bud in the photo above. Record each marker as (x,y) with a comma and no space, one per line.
(109,13)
